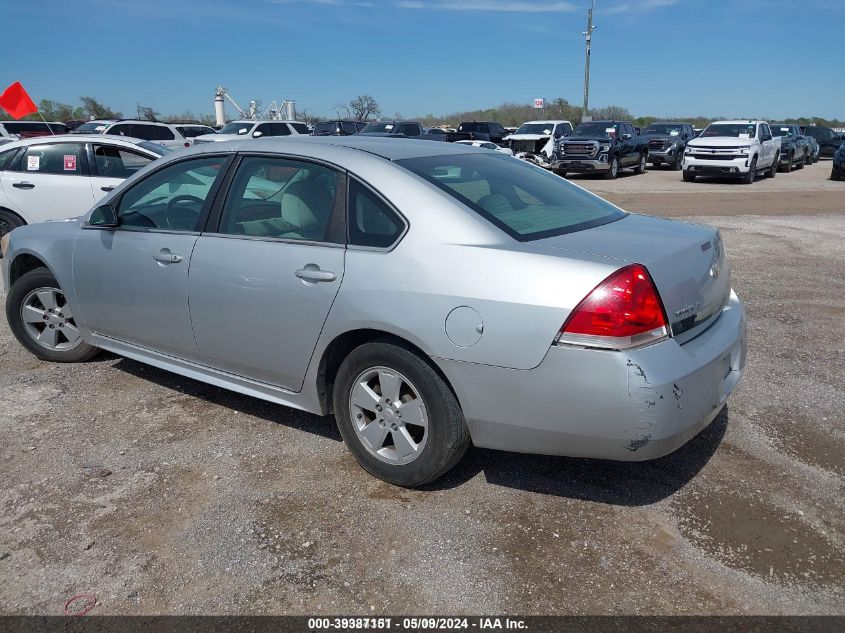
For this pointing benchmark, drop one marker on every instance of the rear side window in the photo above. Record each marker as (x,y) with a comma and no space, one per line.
(278,129)
(524,201)
(371,222)
(56,158)
(116,162)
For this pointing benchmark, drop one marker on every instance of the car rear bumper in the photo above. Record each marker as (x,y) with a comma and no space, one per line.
(630,406)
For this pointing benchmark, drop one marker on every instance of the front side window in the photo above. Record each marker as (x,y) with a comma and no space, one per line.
(117,162)
(6,158)
(524,201)
(371,222)
(281,198)
(173,198)
(55,158)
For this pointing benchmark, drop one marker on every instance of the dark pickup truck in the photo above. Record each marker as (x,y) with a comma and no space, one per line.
(795,150)
(667,141)
(439,134)
(829,140)
(485,131)
(601,147)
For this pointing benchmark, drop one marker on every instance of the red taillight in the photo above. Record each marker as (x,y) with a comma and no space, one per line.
(622,311)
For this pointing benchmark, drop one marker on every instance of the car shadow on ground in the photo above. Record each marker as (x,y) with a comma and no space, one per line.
(603,481)
(271,412)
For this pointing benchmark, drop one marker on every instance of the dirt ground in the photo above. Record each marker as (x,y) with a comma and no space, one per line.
(159,494)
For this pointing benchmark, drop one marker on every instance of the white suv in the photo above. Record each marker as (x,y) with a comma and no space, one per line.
(63,176)
(254,129)
(162,133)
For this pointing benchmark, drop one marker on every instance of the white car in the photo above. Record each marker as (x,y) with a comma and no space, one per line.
(487,145)
(256,129)
(535,140)
(168,134)
(62,176)
(734,149)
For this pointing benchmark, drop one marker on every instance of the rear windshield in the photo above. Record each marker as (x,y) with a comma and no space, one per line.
(378,127)
(300,127)
(92,127)
(525,201)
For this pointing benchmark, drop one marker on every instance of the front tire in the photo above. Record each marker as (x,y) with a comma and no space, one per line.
(689,176)
(613,172)
(752,173)
(641,166)
(679,161)
(773,170)
(42,321)
(803,162)
(788,167)
(398,417)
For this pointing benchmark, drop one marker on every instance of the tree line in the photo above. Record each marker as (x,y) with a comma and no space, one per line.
(366,108)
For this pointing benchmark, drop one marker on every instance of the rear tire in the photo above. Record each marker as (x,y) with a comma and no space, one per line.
(374,385)
(48,330)
(689,176)
(9,222)
(752,173)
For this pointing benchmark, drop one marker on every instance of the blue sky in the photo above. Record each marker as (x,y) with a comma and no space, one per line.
(771,58)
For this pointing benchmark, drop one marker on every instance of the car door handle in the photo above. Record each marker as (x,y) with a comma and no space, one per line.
(164,256)
(107,188)
(313,273)
(23,185)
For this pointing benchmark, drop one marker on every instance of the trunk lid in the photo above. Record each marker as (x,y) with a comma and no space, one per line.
(686,261)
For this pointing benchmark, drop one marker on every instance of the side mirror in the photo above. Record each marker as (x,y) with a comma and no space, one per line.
(103,216)
(558,135)
(257,134)
(625,137)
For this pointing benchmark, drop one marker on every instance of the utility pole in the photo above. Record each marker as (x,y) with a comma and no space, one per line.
(588,35)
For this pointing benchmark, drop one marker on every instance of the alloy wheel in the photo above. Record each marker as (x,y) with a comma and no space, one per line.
(48,320)
(388,415)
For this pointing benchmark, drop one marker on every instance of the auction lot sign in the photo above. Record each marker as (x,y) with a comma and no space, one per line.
(272,624)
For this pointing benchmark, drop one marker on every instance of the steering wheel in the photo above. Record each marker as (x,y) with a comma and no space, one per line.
(183,198)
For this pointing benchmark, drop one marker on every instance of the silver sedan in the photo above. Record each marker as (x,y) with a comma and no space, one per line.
(428,295)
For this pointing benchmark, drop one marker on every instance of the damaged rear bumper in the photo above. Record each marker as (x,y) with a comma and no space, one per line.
(631,406)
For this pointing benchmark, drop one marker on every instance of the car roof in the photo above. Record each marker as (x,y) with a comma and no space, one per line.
(740,121)
(552,121)
(383,146)
(76,138)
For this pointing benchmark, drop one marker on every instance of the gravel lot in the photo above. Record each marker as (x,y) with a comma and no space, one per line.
(159,494)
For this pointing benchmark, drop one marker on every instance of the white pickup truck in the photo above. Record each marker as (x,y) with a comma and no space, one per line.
(737,149)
